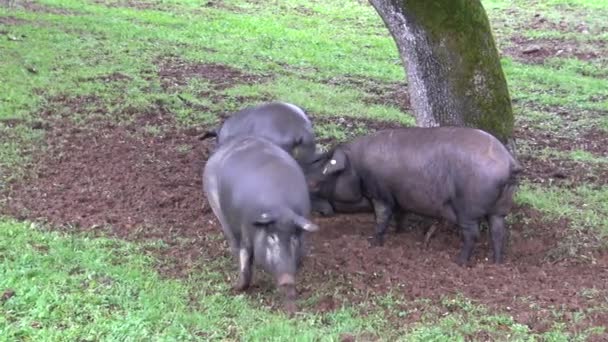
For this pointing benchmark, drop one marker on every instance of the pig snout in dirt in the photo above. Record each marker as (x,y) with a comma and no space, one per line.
(258,193)
(462,175)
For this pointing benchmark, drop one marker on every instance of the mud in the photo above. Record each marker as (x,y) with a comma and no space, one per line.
(121,180)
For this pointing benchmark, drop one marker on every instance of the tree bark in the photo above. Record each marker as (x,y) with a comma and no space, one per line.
(452,64)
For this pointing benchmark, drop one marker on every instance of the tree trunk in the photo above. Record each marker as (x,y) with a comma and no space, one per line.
(453,68)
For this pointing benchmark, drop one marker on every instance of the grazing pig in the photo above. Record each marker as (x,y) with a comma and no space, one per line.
(285,124)
(460,174)
(258,193)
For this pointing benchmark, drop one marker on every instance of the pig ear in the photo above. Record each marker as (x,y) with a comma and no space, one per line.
(305,224)
(336,163)
(320,155)
(264,219)
(295,150)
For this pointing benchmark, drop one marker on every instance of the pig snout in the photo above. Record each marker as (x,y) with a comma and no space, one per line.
(287,285)
(286,279)
(313,186)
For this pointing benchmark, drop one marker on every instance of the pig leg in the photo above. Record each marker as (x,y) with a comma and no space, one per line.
(429,234)
(497,231)
(321,206)
(399,221)
(383,217)
(470,234)
(245,268)
(361,206)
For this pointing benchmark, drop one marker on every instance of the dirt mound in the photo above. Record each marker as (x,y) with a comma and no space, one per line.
(121,180)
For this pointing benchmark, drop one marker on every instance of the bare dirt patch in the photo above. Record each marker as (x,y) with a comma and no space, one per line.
(596,141)
(121,180)
(10,20)
(552,169)
(529,278)
(539,22)
(538,50)
(175,72)
(140,5)
(36,7)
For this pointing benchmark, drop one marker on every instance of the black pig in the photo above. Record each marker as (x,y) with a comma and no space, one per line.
(460,174)
(259,194)
(284,124)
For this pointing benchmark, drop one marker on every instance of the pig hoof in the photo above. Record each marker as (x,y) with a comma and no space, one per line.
(464,263)
(325,211)
(426,244)
(376,241)
(400,230)
(240,286)
(499,260)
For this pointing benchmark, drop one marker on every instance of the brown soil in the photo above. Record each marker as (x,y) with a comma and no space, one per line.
(562,171)
(176,72)
(36,7)
(538,22)
(537,50)
(11,21)
(120,180)
(141,5)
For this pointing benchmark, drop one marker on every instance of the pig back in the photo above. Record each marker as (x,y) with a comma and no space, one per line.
(257,175)
(424,168)
(437,151)
(281,123)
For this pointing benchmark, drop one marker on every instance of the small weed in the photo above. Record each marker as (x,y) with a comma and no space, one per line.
(184,149)
(152,130)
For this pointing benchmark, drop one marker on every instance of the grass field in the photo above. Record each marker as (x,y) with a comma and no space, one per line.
(102,236)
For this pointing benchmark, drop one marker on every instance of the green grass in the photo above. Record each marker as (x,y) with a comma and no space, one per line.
(577,155)
(324,99)
(585,156)
(70,288)
(565,88)
(15,144)
(594,4)
(585,206)
(303,50)
(59,287)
